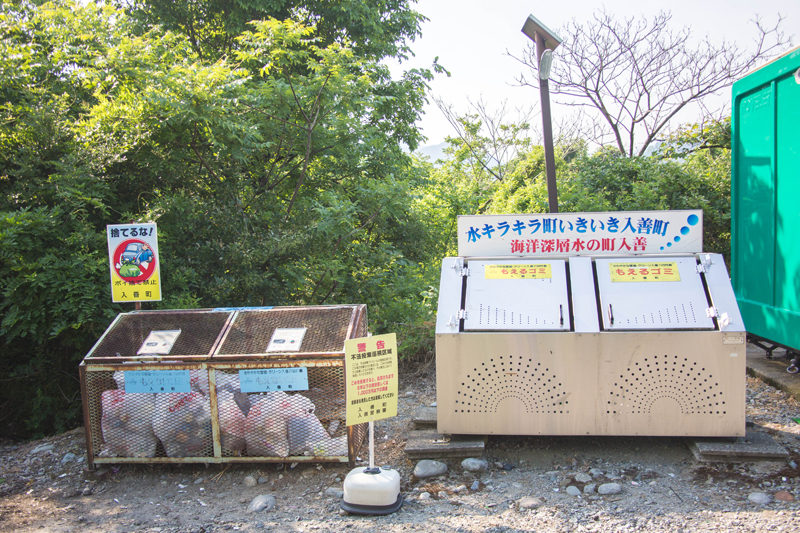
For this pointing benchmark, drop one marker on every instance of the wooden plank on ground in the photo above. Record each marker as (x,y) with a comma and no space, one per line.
(425,418)
(427,444)
(755,446)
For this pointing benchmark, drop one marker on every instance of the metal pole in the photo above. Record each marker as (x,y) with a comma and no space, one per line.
(547,131)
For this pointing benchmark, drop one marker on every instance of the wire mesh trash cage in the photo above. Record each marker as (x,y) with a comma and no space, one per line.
(222,385)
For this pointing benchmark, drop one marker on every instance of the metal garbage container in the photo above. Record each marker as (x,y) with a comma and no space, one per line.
(561,341)
(222,385)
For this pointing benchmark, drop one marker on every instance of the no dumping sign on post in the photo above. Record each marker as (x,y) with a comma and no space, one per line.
(134,262)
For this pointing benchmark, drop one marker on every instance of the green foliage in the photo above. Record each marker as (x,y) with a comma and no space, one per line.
(692,171)
(269,153)
(377,28)
(713,136)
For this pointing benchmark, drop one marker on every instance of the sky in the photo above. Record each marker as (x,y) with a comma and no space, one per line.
(472,37)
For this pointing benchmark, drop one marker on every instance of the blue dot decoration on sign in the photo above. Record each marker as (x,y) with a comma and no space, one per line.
(691,220)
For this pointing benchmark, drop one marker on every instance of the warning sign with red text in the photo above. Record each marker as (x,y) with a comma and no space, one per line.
(134,262)
(371,374)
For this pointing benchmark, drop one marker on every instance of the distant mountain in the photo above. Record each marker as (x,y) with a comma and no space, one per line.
(433,151)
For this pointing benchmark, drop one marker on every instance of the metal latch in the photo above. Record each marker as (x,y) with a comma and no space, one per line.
(453,322)
(461,268)
(705,263)
(724,319)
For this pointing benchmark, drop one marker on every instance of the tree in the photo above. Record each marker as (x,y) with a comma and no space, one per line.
(375,29)
(276,173)
(486,139)
(633,76)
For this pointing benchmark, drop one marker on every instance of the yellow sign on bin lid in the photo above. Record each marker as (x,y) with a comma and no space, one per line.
(518,271)
(371,377)
(644,271)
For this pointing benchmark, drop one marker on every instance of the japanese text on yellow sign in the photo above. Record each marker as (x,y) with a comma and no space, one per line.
(371,374)
(644,272)
(134,262)
(519,271)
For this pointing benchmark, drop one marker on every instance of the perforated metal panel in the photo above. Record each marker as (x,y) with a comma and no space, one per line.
(512,295)
(643,356)
(199,332)
(647,303)
(251,330)
(663,382)
(511,378)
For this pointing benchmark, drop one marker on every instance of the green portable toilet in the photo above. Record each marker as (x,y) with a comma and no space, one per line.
(765,195)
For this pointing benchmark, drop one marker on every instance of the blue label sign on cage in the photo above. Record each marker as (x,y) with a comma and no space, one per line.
(273,379)
(157,381)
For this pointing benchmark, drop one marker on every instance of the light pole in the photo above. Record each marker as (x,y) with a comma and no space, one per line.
(546,41)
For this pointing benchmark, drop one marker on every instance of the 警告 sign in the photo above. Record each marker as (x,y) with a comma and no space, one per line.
(371,378)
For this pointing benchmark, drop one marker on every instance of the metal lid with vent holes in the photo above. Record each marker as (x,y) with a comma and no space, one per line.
(664,293)
(516,295)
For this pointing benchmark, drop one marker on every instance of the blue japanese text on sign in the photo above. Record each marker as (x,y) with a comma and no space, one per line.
(569,234)
(273,379)
(157,381)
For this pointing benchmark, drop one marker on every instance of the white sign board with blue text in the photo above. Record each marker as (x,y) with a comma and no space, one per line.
(570,234)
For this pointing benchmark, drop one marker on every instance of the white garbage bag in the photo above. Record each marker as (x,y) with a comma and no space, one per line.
(182,422)
(266,431)
(231,424)
(306,434)
(198,381)
(127,424)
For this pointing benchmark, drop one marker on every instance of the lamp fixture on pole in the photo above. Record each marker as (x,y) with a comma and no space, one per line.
(546,41)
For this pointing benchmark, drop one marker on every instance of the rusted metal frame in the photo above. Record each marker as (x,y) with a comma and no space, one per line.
(86,420)
(223,334)
(224,362)
(351,328)
(103,336)
(149,359)
(238,365)
(216,434)
(276,355)
(228,365)
(227,459)
(359,315)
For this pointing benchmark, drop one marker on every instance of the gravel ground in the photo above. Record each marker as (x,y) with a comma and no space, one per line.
(531,484)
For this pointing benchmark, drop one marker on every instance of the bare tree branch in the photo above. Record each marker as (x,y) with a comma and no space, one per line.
(638,74)
(492,140)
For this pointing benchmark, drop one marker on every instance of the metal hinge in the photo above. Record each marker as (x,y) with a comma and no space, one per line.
(462,314)
(705,263)
(723,320)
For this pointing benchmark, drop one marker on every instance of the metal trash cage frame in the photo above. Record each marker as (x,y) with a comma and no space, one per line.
(325,370)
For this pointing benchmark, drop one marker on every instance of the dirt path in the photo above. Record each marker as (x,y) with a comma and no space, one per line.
(43,486)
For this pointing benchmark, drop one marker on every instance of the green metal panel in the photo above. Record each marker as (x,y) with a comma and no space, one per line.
(765,182)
